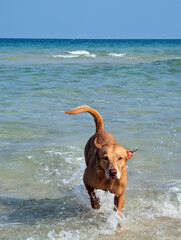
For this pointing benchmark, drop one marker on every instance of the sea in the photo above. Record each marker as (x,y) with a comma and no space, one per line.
(136,87)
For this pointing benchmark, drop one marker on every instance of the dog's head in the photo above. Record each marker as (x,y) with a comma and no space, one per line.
(112,158)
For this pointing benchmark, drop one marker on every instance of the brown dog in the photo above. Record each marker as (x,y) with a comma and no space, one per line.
(106,162)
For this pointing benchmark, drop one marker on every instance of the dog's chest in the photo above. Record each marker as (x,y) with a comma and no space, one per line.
(113,187)
(110,186)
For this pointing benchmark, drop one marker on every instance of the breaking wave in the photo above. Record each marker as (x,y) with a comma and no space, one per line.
(75,54)
(117,54)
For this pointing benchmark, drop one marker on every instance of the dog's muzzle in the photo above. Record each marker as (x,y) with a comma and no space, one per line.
(112,174)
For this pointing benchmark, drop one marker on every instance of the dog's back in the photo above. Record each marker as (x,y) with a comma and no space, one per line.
(103,137)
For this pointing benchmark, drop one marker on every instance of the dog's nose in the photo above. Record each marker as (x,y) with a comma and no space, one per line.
(112,172)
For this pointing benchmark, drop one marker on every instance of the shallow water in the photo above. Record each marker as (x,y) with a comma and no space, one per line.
(135,85)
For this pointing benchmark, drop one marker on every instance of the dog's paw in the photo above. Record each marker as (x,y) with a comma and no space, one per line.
(95,203)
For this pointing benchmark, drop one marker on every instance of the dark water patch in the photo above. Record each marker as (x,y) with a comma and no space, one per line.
(31,211)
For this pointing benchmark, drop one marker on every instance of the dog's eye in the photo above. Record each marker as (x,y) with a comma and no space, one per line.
(106,158)
(120,158)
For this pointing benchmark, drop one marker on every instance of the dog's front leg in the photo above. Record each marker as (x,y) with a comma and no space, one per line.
(94,200)
(118,203)
(118,206)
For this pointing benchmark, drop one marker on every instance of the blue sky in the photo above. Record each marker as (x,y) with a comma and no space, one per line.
(90,19)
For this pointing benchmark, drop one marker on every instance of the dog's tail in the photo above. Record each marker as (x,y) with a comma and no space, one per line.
(97,117)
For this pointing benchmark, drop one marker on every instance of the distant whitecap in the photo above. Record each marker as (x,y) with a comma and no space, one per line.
(117,54)
(63,56)
(75,54)
(79,52)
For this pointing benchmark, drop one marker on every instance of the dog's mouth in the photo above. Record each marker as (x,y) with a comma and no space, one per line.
(113,177)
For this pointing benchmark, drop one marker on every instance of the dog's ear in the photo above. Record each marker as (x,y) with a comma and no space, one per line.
(130,153)
(98,145)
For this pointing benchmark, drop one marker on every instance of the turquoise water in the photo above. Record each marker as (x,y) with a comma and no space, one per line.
(136,87)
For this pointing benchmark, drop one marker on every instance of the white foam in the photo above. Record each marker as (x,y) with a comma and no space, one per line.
(82,53)
(75,54)
(108,215)
(100,225)
(63,56)
(79,52)
(168,205)
(92,55)
(117,54)
(64,235)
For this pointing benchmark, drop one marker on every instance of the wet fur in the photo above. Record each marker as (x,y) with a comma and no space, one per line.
(105,161)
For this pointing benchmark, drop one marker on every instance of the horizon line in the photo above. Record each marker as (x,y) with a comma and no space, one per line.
(39,38)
